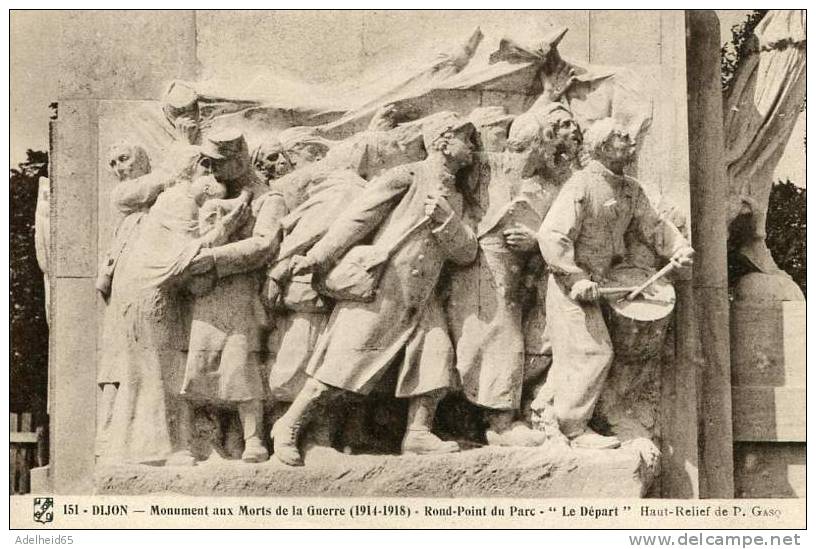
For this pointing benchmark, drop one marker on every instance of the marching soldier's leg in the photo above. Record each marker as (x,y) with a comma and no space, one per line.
(582,355)
(418,436)
(287,429)
(251,414)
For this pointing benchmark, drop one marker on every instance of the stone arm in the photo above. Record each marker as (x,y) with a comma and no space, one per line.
(257,250)
(136,194)
(557,234)
(364,215)
(457,240)
(655,230)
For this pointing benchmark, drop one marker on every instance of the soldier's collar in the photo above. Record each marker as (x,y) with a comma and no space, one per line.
(624,181)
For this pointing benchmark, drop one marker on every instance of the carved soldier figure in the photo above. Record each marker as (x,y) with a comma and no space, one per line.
(315,195)
(581,239)
(303,145)
(223,363)
(415,211)
(180,107)
(486,302)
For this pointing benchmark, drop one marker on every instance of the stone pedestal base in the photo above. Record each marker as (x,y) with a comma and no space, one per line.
(41,480)
(768,367)
(487,472)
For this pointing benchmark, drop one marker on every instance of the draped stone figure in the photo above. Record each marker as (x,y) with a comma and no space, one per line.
(314,196)
(151,323)
(761,108)
(127,162)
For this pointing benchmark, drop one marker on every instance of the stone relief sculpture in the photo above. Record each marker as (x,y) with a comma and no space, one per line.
(128,163)
(465,253)
(269,159)
(415,211)
(224,362)
(486,300)
(582,238)
(760,111)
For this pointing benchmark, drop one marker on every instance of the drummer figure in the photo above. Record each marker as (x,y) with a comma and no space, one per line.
(582,238)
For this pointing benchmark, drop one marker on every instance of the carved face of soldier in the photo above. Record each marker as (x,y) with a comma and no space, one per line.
(619,148)
(567,133)
(563,141)
(271,162)
(611,144)
(128,161)
(458,147)
(524,145)
(385,152)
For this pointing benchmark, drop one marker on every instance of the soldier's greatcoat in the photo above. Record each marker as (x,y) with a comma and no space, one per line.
(363,338)
(223,362)
(486,299)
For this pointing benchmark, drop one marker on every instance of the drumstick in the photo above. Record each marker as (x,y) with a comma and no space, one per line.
(637,291)
(617,290)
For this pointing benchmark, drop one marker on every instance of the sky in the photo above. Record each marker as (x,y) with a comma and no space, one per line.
(34,43)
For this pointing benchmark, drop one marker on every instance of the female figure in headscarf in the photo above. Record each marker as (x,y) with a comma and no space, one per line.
(152,321)
(127,162)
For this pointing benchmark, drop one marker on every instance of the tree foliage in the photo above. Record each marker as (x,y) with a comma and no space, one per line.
(787,230)
(29,330)
(741,45)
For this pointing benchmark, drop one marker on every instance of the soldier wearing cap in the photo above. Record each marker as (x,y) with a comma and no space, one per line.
(362,339)
(223,361)
(485,309)
(599,212)
(180,107)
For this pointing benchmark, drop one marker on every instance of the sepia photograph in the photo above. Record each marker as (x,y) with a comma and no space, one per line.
(408,269)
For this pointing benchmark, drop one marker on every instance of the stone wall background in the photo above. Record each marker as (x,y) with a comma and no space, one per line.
(132,56)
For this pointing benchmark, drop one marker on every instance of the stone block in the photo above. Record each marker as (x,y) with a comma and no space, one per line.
(768,343)
(620,37)
(769,413)
(41,480)
(73,410)
(325,48)
(74,192)
(543,472)
(124,54)
(770,470)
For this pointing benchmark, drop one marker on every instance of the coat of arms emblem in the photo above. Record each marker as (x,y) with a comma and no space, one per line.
(44,510)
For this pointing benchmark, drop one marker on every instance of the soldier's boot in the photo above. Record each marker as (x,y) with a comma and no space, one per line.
(251,414)
(503,431)
(286,431)
(418,437)
(592,440)
(322,429)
